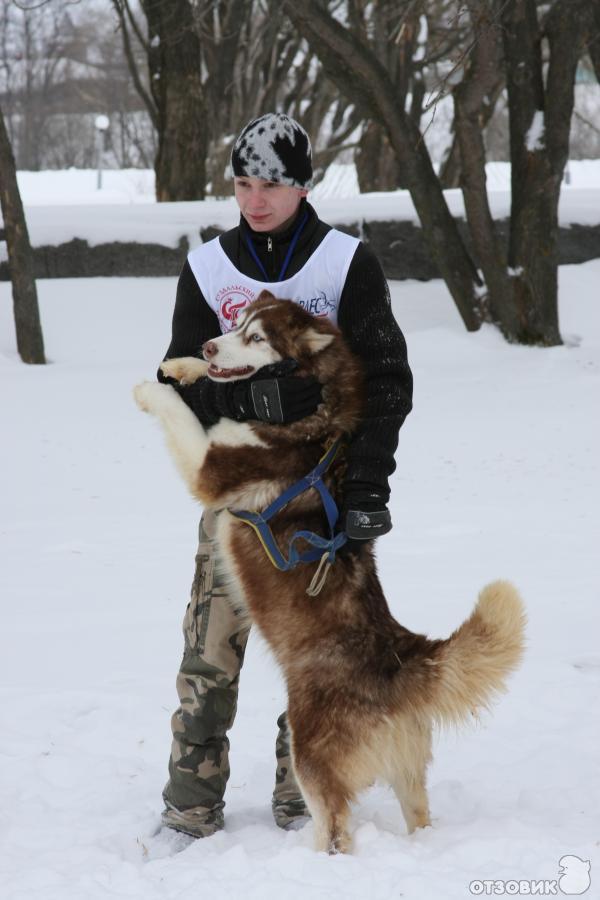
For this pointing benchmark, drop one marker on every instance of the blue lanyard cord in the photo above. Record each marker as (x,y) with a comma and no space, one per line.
(288,255)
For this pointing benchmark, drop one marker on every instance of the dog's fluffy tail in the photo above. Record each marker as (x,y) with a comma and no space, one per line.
(470,668)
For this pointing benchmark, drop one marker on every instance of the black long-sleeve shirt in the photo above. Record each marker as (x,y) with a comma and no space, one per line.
(365,319)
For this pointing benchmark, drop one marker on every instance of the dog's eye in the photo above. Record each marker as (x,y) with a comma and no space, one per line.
(256,338)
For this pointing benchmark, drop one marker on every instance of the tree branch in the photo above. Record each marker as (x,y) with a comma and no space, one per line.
(361,76)
(119,6)
(567,28)
(136,28)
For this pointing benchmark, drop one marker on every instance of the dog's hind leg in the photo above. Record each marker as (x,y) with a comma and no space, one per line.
(329,806)
(410,754)
(410,790)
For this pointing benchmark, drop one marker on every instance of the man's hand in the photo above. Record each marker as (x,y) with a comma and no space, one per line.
(364,516)
(274,395)
(275,400)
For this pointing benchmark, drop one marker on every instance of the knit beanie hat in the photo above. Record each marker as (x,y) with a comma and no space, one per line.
(276,148)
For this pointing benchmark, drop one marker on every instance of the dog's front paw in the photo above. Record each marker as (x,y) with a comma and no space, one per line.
(185,369)
(147,394)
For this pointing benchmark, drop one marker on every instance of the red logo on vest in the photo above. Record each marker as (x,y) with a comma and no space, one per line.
(231,301)
(230,308)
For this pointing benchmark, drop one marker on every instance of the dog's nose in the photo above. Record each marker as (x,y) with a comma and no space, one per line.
(209,349)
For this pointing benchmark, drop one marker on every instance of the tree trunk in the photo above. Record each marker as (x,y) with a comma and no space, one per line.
(533,257)
(470,98)
(361,77)
(376,164)
(594,41)
(218,160)
(450,168)
(30,342)
(176,84)
(540,119)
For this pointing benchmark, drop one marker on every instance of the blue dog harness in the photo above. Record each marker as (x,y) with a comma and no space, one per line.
(323,549)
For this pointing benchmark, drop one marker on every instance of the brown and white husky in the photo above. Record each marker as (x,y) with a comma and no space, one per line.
(363,691)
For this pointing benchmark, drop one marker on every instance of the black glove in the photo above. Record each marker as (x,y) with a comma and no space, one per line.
(364,516)
(275,400)
(272,395)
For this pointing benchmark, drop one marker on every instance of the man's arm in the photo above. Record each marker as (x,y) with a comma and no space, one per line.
(372,333)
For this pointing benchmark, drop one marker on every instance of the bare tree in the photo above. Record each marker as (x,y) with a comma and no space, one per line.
(391,30)
(276,69)
(540,110)
(30,342)
(503,46)
(59,67)
(190,49)
(176,99)
(414,40)
(359,74)
(32,45)
(247,58)
(523,285)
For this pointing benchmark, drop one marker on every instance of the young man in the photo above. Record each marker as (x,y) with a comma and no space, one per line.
(281,245)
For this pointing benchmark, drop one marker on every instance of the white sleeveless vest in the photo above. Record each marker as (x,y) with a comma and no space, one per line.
(317,287)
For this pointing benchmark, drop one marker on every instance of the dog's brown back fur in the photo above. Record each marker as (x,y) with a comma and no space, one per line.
(363,690)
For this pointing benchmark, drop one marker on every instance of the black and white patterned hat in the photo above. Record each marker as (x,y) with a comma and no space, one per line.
(276,148)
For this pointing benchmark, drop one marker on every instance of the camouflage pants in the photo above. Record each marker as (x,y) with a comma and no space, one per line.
(207,684)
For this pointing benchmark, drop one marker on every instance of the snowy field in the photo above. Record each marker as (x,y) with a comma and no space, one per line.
(498,476)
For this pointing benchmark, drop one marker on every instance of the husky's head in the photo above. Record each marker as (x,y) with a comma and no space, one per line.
(267,332)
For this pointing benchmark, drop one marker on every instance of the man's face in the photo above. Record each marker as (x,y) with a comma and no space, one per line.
(265,205)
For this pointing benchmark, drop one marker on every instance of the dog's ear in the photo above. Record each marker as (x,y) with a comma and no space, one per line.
(315,341)
(266,295)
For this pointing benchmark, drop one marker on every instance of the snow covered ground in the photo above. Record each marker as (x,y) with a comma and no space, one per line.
(498,476)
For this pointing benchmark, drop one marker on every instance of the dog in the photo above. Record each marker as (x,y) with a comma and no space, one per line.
(363,691)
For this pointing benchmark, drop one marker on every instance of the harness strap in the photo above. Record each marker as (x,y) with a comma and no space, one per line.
(320,577)
(323,549)
(313,479)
